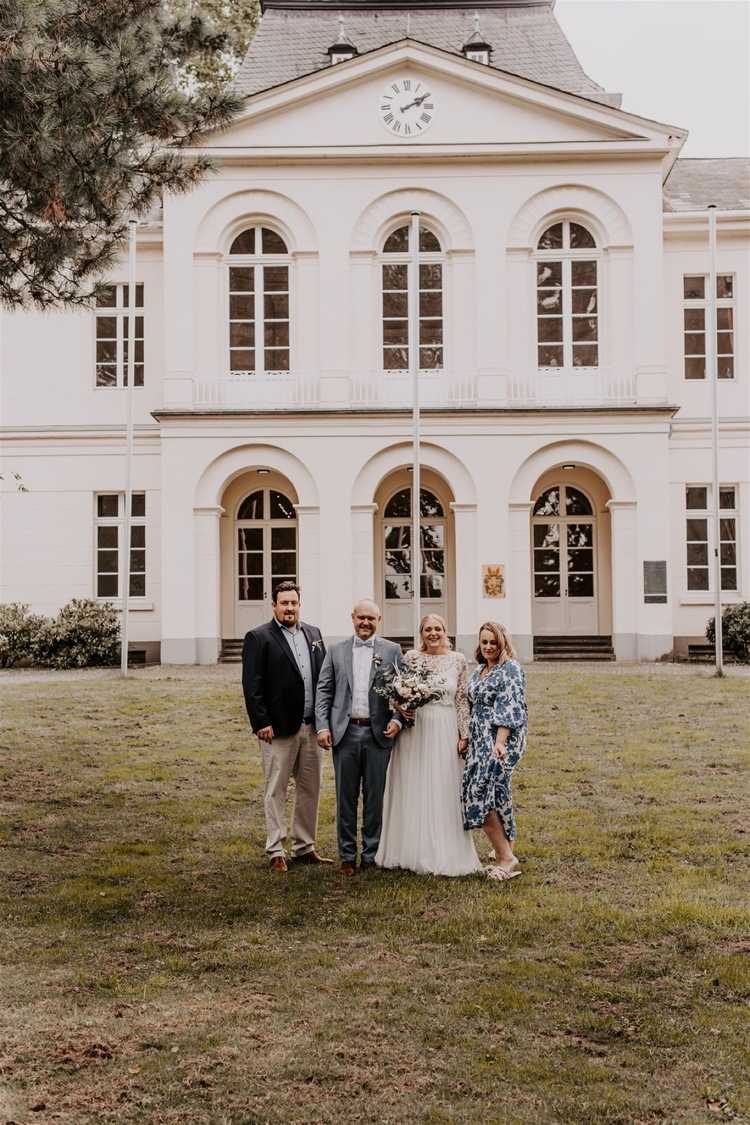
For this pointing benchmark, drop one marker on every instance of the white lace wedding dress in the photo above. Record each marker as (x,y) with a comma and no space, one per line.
(422,816)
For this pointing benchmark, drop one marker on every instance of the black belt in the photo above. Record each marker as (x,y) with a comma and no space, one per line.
(360,722)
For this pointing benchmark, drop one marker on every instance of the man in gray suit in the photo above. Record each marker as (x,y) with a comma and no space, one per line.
(359,726)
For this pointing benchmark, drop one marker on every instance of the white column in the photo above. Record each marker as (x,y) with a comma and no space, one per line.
(363,551)
(461,328)
(178,559)
(207,584)
(306,325)
(520,291)
(365,352)
(618,344)
(518,584)
(468,576)
(625,578)
(309,561)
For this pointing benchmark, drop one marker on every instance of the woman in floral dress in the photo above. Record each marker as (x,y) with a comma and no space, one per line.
(497,740)
(422,818)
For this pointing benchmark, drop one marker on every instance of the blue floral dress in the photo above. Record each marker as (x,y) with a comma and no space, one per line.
(497,700)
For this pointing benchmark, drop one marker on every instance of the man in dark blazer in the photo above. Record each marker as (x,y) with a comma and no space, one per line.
(281,662)
(359,726)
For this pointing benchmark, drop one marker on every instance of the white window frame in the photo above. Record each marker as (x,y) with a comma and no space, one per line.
(423,258)
(255,260)
(567,257)
(118,521)
(707,514)
(119,311)
(702,303)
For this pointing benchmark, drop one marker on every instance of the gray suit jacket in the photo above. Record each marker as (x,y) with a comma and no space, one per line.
(333,698)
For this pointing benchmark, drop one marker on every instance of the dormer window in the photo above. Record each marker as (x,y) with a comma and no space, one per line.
(476,49)
(343,49)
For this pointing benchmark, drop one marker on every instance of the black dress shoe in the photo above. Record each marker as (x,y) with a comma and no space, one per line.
(367,864)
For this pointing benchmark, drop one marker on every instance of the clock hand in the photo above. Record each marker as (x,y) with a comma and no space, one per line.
(417,101)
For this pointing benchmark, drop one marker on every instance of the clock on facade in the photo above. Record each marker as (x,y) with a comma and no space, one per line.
(407,107)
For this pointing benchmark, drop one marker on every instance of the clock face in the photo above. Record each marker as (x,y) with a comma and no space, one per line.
(407,108)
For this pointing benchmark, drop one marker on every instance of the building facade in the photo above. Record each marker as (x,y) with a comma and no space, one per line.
(562,269)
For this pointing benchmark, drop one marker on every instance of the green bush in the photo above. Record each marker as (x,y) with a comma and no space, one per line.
(735,625)
(19,632)
(84,633)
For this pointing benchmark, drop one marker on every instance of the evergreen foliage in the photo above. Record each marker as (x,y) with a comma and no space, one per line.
(735,630)
(85,633)
(237,20)
(93,118)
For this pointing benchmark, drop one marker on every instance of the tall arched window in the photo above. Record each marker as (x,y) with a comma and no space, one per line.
(266,543)
(258,303)
(397,546)
(567,278)
(397,261)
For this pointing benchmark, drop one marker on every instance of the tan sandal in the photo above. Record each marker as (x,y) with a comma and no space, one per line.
(502,874)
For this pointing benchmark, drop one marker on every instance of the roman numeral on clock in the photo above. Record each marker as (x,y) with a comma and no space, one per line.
(388,118)
(426,117)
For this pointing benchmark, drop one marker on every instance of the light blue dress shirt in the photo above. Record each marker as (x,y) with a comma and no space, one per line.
(295,638)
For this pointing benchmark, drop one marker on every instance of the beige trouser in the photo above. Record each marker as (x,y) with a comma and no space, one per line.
(298,757)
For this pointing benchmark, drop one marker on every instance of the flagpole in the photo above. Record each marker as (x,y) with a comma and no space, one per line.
(416,542)
(127,520)
(713,375)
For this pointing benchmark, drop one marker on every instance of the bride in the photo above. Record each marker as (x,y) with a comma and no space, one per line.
(422,816)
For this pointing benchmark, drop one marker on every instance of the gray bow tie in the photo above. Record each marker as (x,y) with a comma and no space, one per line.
(363,644)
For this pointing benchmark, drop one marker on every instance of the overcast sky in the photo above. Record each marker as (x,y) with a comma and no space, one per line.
(682,62)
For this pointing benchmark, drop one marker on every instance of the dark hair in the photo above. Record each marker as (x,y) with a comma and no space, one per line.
(502,636)
(284,588)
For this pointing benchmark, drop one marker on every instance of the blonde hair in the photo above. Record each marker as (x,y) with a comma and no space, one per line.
(441,621)
(502,636)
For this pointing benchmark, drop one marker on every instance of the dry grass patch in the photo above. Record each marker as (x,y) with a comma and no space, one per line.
(153,971)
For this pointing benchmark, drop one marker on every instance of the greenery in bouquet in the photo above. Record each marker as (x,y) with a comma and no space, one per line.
(411,686)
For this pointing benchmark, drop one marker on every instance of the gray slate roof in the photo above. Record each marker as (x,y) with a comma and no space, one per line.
(694,183)
(527,41)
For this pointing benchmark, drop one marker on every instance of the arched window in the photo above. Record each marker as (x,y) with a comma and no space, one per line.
(567,277)
(258,303)
(397,261)
(563,524)
(397,546)
(266,543)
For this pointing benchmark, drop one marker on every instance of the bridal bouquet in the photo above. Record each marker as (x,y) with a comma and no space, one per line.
(411,687)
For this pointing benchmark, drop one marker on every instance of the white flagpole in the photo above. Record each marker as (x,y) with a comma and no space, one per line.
(713,375)
(416,542)
(127,521)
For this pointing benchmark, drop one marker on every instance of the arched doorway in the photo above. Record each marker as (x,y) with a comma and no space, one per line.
(393,552)
(259,547)
(570,553)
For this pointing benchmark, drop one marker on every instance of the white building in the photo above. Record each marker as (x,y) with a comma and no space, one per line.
(563,273)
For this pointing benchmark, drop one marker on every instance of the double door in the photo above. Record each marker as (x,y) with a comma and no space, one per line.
(564,554)
(265,552)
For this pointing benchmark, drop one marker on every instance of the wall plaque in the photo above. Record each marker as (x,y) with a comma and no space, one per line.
(493,580)
(655,582)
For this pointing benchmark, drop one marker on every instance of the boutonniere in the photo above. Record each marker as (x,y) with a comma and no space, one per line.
(377,660)
(316,645)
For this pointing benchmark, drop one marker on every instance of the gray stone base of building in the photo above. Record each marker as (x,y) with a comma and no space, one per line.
(207,650)
(656,647)
(178,650)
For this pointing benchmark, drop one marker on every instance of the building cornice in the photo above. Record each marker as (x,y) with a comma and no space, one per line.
(656,410)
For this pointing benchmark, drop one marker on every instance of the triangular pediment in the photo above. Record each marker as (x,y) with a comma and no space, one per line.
(346,106)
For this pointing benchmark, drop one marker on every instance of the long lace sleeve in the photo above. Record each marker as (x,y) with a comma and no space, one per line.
(462,699)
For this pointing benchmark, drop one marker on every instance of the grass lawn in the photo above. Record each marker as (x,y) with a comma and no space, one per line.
(152,970)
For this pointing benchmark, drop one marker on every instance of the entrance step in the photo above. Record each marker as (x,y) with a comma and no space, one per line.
(706,654)
(231,650)
(573,648)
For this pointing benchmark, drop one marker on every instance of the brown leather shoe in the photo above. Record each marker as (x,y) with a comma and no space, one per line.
(310,857)
(278,863)
(348,868)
